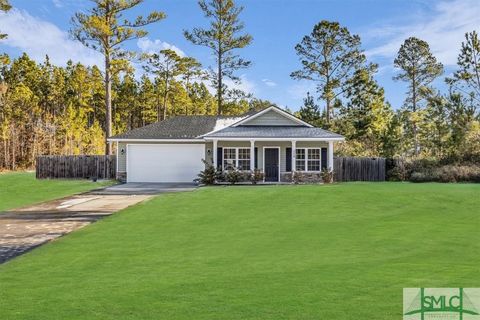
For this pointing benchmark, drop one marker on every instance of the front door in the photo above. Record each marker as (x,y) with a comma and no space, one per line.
(271,164)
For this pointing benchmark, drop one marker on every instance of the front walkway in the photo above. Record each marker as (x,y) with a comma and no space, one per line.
(24,229)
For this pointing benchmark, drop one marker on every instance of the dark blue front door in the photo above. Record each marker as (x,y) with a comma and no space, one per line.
(271,164)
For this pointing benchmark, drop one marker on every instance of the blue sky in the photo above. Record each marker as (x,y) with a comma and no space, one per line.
(40,27)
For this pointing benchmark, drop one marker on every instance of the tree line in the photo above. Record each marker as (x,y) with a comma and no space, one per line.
(430,123)
(47,109)
(72,109)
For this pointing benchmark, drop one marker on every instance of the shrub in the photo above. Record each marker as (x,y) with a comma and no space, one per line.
(442,170)
(327,176)
(397,174)
(207,176)
(448,173)
(396,169)
(219,175)
(459,173)
(233,176)
(256,175)
(245,176)
(420,177)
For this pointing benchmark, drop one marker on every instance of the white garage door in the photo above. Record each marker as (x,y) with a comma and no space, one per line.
(164,162)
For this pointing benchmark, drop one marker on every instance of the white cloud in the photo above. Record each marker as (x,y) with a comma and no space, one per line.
(269,83)
(38,38)
(443,28)
(246,85)
(299,90)
(149,46)
(57,3)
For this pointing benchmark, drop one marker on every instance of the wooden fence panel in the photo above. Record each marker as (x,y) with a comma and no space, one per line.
(359,169)
(76,167)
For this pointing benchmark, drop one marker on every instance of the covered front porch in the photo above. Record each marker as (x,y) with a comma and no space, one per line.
(278,158)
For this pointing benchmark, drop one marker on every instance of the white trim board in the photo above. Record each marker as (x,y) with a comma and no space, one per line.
(272,108)
(156,140)
(208,139)
(273,139)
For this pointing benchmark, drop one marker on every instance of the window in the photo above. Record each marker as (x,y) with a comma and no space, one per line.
(243,159)
(300,160)
(313,160)
(308,159)
(236,158)
(229,158)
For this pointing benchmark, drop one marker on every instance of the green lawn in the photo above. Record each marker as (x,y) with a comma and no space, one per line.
(19,189)
(281,252)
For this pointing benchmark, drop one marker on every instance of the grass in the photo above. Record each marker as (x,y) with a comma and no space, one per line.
(341,251)
(18,189)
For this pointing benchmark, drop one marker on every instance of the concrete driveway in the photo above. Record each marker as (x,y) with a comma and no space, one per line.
(26,228)
(146,188)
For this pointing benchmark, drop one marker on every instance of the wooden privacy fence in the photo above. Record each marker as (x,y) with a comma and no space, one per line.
(76,167)
(104,167)
(359,169)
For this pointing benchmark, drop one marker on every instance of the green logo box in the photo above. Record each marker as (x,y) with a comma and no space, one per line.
(441,303)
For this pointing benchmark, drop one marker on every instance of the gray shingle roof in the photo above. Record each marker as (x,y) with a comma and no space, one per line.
(273,132)
(179,127)
(191,127)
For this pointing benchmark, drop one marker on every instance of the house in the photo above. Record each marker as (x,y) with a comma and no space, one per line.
(270,140)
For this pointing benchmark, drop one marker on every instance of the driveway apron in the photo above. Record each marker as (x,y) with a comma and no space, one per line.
(26,228)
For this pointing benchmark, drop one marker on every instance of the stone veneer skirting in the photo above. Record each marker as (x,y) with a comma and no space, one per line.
(302,177)
(122,176)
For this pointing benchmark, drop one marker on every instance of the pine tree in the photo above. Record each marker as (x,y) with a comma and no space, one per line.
(310,112)
(166,66)
(365,118)
(104,28)
(223,37)
(147,101)
(467,78)
(126,103)
(418,68)
(201,101)
(5,7)
(434,131)
(392,140)
(256,104)
(461,114)
(329,57)
(191,72)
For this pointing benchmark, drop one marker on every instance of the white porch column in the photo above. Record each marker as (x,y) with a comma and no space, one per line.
(116,161)
(214,153)
(294,154)
(330,156)
(252,155)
